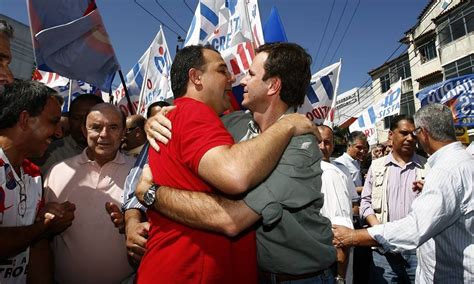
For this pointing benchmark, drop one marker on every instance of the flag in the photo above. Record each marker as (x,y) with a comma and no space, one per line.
(273,29)
(230,29)
(62,84)
(148,81)
(320,100)
(388,105)
(255,22)
(70,39)
(457,93)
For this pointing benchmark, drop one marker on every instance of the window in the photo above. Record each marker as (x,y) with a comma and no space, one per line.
(428,51)
(458,24)
(459,67)
(385,83)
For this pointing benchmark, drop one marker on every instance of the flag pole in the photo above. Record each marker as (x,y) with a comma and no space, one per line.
(69,95)
(142,88)
(249,24)
(130,105)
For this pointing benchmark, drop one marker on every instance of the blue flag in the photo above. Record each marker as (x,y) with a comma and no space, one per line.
(70,39)
(273,30)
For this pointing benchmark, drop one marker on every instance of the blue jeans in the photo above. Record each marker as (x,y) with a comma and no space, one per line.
(393,267)
(326,277)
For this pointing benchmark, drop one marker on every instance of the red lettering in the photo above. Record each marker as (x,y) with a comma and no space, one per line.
(235,66)
(309,115)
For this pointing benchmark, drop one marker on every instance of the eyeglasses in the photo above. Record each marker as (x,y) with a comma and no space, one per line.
(11,183)
(416,131)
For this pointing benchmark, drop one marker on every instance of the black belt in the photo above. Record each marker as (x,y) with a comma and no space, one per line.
(282,277)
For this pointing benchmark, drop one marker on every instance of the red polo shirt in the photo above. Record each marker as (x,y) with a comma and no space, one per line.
(177,253)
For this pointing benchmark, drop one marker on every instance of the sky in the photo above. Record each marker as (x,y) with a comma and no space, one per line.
(372,36)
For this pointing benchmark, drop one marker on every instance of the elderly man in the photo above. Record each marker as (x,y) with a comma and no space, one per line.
(29,120)
(75,142)
(269,93)
(388,195)
(6,34)
(135,136)
(441,218)
(91,250)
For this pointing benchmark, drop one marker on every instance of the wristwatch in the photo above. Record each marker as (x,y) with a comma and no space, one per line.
(339,280)
(150,195)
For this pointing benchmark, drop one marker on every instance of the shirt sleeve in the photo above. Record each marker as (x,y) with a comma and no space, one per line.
(295,182)
(202,130)
(130,201)
(366,197)
(435,209)
(337,202)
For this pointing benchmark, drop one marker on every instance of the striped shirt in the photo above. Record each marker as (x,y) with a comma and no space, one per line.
(440,223)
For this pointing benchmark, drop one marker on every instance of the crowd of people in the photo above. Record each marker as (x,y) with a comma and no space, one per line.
(186,194)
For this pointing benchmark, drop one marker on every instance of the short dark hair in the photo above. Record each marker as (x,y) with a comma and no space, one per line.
(189,57)
(154,104)
(85,98)
(292,64)
(23,95)
(6,29)
(396,120)
(354,136)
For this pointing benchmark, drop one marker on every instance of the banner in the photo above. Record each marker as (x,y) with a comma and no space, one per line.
(320,100)
(70,39)
(457,93)
(388,105)
(148,81)
(226,25)
(62,84)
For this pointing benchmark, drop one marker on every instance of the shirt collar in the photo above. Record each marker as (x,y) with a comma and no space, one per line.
(254,129)
(414,159)
(440,152)
(84,159)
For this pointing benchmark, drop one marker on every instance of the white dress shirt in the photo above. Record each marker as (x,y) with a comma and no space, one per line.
(440,222)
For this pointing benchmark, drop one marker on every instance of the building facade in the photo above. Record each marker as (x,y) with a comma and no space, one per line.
(440,46)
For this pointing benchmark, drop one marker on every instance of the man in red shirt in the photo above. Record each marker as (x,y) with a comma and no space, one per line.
(202,157)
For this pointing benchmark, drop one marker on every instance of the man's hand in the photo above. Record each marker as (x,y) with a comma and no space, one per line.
(301,125)
(146,180)
(57,217)
(343,236)
(136,232)
(158,127)
(418,185)
(116,216)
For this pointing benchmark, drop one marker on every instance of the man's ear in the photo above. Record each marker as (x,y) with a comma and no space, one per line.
(23,120)
(390,134)
(274,86)
(84,130)
(195,76)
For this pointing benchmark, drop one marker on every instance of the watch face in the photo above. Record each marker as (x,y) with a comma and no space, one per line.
(149,197)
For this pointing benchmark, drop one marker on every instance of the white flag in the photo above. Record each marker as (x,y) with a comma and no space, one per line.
(148,81)
(388,105)
(320,100)
(227,26)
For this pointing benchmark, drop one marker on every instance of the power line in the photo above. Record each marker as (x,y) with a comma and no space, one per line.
(191,10)
(379,88)
(163,24)
(171,17)
(335,31)
(325,29)
(345,31)
(398,47)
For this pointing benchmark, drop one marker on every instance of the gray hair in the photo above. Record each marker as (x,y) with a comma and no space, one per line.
(354,136)
(437,119)
(6,29)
